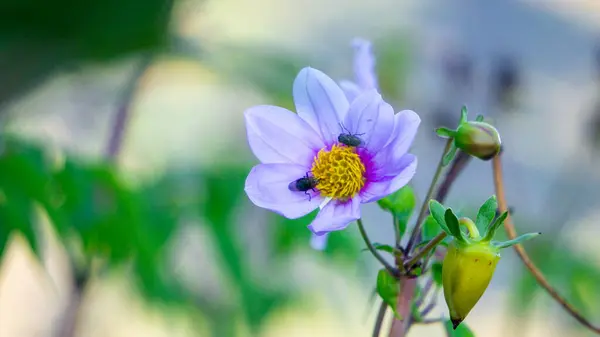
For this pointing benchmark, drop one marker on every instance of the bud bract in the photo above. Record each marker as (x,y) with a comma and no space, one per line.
(478,139)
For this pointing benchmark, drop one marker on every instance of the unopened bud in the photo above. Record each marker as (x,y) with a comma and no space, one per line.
(478,139)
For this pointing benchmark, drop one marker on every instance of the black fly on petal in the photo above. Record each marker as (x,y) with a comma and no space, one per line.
(304,184)
(349,139)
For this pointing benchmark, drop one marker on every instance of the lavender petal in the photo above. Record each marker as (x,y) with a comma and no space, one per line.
(267,186)
(277,135)
(320,102)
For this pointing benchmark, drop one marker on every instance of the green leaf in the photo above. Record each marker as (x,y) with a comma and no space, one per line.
(436,273)
(382,247)
(445,132)
(479,118)
(516,241)
(46,38)
(437,210)
(388,289)
(453,226)
(493,227)
(401,204)
(461,331)
(463,115)
(431,228)
(486,213)
(449,156)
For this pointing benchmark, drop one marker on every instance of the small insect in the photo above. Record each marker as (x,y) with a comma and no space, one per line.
(350,139)
(304,184)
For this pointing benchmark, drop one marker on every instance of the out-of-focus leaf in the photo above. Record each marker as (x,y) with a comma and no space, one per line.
(430,228)
(382,247)
(401,204)
(24,181)
(224,188)
(388,289)
(38,38)
(461,331)
(436,273)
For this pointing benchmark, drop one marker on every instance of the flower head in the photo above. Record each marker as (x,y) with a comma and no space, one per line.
(304,166)
(365,77)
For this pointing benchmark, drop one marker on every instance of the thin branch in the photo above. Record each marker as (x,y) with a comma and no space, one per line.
(430,305)
(430,321)
(115,141)
(429,246)
(424,207)
(424,292)
(114,145)
(380,318)
(537,274)
(393,271)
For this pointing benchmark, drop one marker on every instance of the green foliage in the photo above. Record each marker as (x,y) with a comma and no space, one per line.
(382,247)
(491,230)
(401,204)
(486,213)
(461,331)
(39,37)
(436,273)
(453,225)
(388,289)
(430,228)
(438,211)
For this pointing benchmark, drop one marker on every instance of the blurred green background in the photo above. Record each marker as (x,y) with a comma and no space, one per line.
(123,158)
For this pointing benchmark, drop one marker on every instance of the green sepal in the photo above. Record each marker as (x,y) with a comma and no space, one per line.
(449,156)
(437,211)
(445,132)
(388,289)
(486,213)
(463,115)
(493,227)
(453,225)
(522,238)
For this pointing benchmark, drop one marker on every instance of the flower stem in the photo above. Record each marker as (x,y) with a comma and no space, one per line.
(415,233)
(363,233)
(379,319)
(429,246)
(535,271)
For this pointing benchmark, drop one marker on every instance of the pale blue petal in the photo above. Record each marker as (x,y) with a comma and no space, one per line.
(350,89)
(371,119)
(267,186)
(401,173)
(320,102)
(335,216)
(277,135)
(364,64)
(319,242)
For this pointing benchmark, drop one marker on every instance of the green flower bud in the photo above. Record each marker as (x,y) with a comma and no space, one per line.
(466,273)
(470,261)
(478,139)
